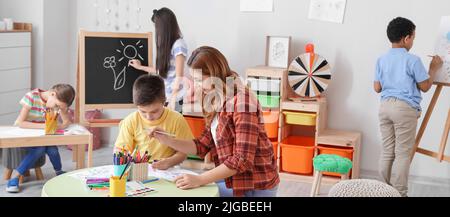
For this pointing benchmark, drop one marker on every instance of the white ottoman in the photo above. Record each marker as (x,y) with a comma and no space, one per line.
(363,188)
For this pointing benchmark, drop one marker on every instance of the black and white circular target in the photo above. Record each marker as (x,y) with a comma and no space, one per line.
(309,75)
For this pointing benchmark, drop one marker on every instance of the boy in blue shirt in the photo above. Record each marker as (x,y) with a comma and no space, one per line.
(399,77)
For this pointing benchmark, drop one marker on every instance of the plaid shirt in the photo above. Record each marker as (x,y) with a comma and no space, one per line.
(242,145)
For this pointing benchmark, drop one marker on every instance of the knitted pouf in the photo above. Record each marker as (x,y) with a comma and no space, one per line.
(363,188)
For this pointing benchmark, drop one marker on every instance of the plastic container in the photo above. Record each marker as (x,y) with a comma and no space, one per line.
(267,85)
(298,118)
(269,101)
(275,149)
(297,153)
(271,119)
(343,152)
(197,125)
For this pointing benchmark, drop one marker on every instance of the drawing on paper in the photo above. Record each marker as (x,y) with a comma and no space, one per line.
(443,50)
(278,51)
(127,53)
(327,10)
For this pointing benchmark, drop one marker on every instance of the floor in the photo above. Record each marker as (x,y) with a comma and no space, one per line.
(32,187)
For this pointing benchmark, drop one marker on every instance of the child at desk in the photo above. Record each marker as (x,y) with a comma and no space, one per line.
(399,77)
(34,104)
(149,97)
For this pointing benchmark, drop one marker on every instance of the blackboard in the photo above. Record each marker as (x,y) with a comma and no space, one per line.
(107,77)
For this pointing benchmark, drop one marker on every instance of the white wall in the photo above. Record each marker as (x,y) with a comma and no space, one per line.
(50,21)
(29,11)
(352,49)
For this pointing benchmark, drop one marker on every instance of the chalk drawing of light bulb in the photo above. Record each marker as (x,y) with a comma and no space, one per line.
(130,51)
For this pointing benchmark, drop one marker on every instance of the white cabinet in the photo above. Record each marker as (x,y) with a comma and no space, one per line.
(15,72)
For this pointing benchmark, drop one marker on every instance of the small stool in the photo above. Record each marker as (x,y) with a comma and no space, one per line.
(37,171)
(329,163)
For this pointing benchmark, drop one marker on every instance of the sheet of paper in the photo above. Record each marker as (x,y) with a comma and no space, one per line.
(75,129)
(256,5)
(12,132)
(169,174)
(327,10)
(443,50)
(97,172)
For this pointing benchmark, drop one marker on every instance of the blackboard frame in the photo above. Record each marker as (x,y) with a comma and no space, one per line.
(81,105)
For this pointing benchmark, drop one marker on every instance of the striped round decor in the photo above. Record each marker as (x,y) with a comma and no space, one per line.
(309,75)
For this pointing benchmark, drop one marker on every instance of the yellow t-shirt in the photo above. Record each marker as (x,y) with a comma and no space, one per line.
(132,132)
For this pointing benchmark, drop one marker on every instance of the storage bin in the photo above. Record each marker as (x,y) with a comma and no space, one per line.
(340,151)
(297,153)
(271,119)
(197,125)
(262,84)
(298,118)
(275,149)
(269,101)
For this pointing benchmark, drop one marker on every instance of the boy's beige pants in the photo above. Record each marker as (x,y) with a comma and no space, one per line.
(398,123)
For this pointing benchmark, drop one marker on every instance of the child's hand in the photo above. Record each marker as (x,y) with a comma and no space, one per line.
(162,164)
(188,181)
(436,63)
(135,63)
(159,134)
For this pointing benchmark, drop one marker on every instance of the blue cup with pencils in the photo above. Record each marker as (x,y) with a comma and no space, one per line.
(121,162)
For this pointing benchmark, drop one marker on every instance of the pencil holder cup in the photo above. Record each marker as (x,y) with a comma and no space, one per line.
(118,170)
(50,127)
(117,187)
(139,171)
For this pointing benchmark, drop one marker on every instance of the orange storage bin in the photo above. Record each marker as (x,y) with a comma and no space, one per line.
(297,153)
(340,151)
(197,125)
(275,149)
(271,123)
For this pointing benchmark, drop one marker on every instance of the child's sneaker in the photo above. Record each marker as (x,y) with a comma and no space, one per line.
(60,172)
(13,185)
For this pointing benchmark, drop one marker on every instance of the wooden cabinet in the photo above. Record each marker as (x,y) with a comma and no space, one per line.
(15,70)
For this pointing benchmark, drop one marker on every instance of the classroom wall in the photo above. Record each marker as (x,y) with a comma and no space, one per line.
(352,49)
(29,12)
(50,37)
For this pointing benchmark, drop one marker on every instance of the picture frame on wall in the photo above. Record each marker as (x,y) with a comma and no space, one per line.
(277,51)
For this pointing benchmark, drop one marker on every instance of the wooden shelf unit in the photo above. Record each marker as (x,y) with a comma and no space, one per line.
(322,135)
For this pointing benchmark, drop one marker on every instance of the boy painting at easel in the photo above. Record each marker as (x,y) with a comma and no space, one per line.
(399,77)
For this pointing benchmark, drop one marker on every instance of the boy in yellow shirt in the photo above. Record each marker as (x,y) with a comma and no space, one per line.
(149,97)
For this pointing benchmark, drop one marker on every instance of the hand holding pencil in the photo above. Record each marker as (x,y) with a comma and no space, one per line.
(161,135)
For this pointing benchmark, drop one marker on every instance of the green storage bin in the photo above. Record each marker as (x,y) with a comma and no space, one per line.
(269,101)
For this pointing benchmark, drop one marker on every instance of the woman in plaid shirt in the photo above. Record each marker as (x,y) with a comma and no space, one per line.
(235,134)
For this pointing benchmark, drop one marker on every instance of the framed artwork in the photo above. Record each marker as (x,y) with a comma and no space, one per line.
(277,51)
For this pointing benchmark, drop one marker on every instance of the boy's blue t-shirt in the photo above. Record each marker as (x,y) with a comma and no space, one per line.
(399,72)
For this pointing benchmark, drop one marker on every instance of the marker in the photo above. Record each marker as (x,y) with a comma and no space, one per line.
(150,180)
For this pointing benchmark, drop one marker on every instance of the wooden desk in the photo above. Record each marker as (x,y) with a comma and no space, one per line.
(33,138)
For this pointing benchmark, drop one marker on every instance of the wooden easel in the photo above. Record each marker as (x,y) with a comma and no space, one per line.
(81,105)
(440,156)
